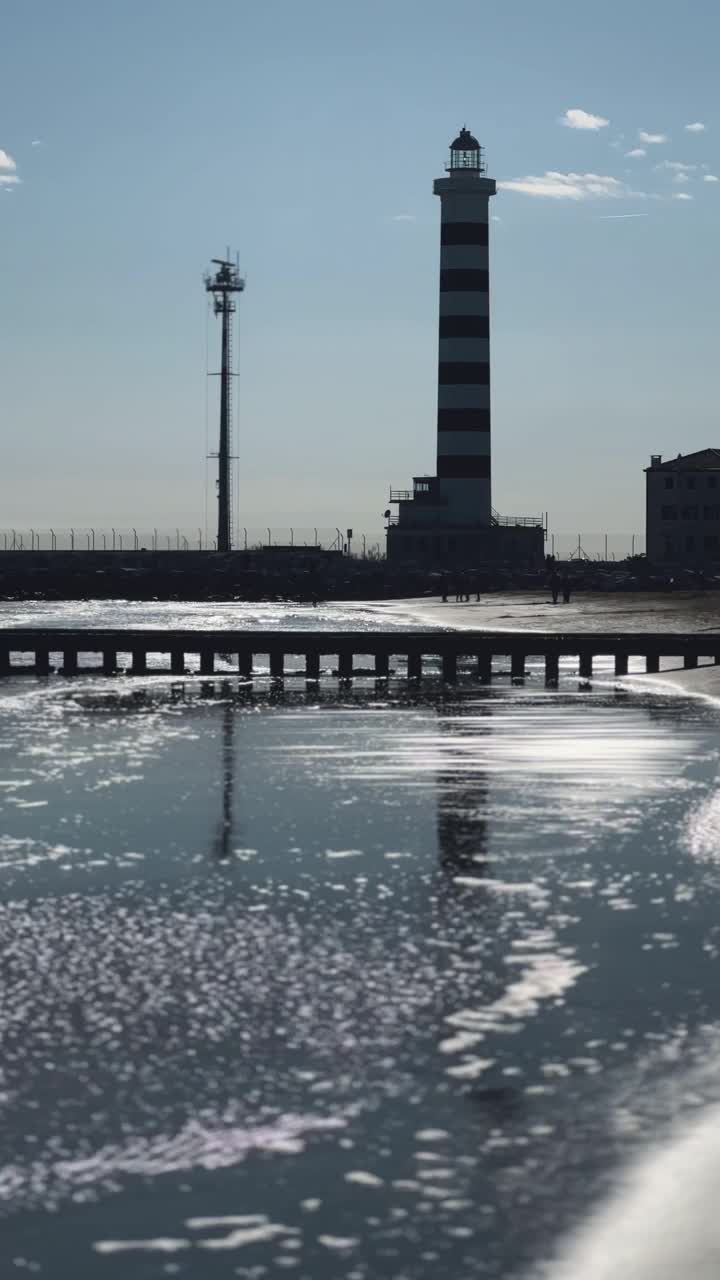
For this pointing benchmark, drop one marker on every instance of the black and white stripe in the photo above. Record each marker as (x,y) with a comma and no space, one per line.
(463,421)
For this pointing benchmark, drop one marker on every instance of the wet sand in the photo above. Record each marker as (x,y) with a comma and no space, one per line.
(587,611)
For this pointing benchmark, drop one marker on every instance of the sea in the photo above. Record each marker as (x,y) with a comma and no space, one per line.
(355,982)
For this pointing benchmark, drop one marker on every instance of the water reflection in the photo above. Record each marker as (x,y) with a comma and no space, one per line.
(462,800)
(222,844)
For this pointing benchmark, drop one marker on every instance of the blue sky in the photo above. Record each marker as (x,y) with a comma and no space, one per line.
(139,139)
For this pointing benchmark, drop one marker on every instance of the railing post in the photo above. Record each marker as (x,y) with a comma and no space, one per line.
(652,663)
(552,668)
(621,664)
(277,664)
(109,662)
(72,539)
(70,661)
(207,662)
(517,666)
(4,660)
(139,662)
(691,661)
(42,660)
(586,665)
(177,662)
(345,664)
(382,666)
(245,664)
(312,665)
(449,667)
(484,666)
(414,666)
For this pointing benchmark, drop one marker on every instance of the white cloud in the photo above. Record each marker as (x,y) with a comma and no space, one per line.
(696,127)
(494,218)
(8,180)
(618,217)
(575,118)
(6,161)
(681,178)
(403,217)
(36,142)
(653,139)
(567,186)
(677,166)
(636,153)
(681,195)
(710,177)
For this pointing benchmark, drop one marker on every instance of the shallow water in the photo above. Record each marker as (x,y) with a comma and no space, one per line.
(357,984)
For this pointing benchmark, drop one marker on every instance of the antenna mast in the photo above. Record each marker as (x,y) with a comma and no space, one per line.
(223,284)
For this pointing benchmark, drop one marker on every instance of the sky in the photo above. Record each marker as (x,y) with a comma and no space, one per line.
(138,140)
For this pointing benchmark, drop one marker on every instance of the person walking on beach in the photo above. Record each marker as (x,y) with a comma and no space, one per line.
(555,588)
(566,588)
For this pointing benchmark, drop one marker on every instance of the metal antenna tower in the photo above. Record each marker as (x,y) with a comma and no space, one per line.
(223,284)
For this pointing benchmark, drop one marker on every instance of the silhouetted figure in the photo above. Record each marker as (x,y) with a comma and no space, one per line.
(444,589)
(555,588)
(566,589)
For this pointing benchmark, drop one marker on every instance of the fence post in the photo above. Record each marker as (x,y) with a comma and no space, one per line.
(104,538)
(155,540)
(87,536)
(120,540)
(14,540)
(135,540)
(92,535)
(245,539)
(113,534)
(53,540)
(177,539)
(199,539)
(72,539)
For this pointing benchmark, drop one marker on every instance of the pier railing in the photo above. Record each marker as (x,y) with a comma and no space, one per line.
(60,650)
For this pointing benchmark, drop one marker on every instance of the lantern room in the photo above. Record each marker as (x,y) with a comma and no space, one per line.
(466,154)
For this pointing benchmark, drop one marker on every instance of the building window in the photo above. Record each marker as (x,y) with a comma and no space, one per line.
(711,512)
(712,482)
(668,513)
(410,545)
(689,513)
(690,482)
(668,548)
(710,542)
(690,542)
(669,482)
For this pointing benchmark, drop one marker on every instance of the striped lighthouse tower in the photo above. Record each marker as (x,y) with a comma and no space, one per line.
(463,422)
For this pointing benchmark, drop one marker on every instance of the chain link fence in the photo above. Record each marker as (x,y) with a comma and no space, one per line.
(604,547)
(84,538)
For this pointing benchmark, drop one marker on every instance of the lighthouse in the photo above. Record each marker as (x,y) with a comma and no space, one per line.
(448,518)
(463,414)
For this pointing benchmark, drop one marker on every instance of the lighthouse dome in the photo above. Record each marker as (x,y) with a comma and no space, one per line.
(465,141)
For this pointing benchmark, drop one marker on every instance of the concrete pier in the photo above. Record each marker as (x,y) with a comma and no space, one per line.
(62,651)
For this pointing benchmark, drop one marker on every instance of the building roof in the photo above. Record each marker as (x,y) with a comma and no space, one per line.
(701,460)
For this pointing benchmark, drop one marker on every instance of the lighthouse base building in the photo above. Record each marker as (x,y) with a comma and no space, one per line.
(448,519)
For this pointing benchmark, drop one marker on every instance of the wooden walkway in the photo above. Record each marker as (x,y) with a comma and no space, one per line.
(42,651)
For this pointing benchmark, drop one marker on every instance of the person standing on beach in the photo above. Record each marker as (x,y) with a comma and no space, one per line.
(555,588)
(566,588)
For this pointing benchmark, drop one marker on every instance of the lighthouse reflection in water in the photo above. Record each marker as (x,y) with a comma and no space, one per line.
(340,979)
